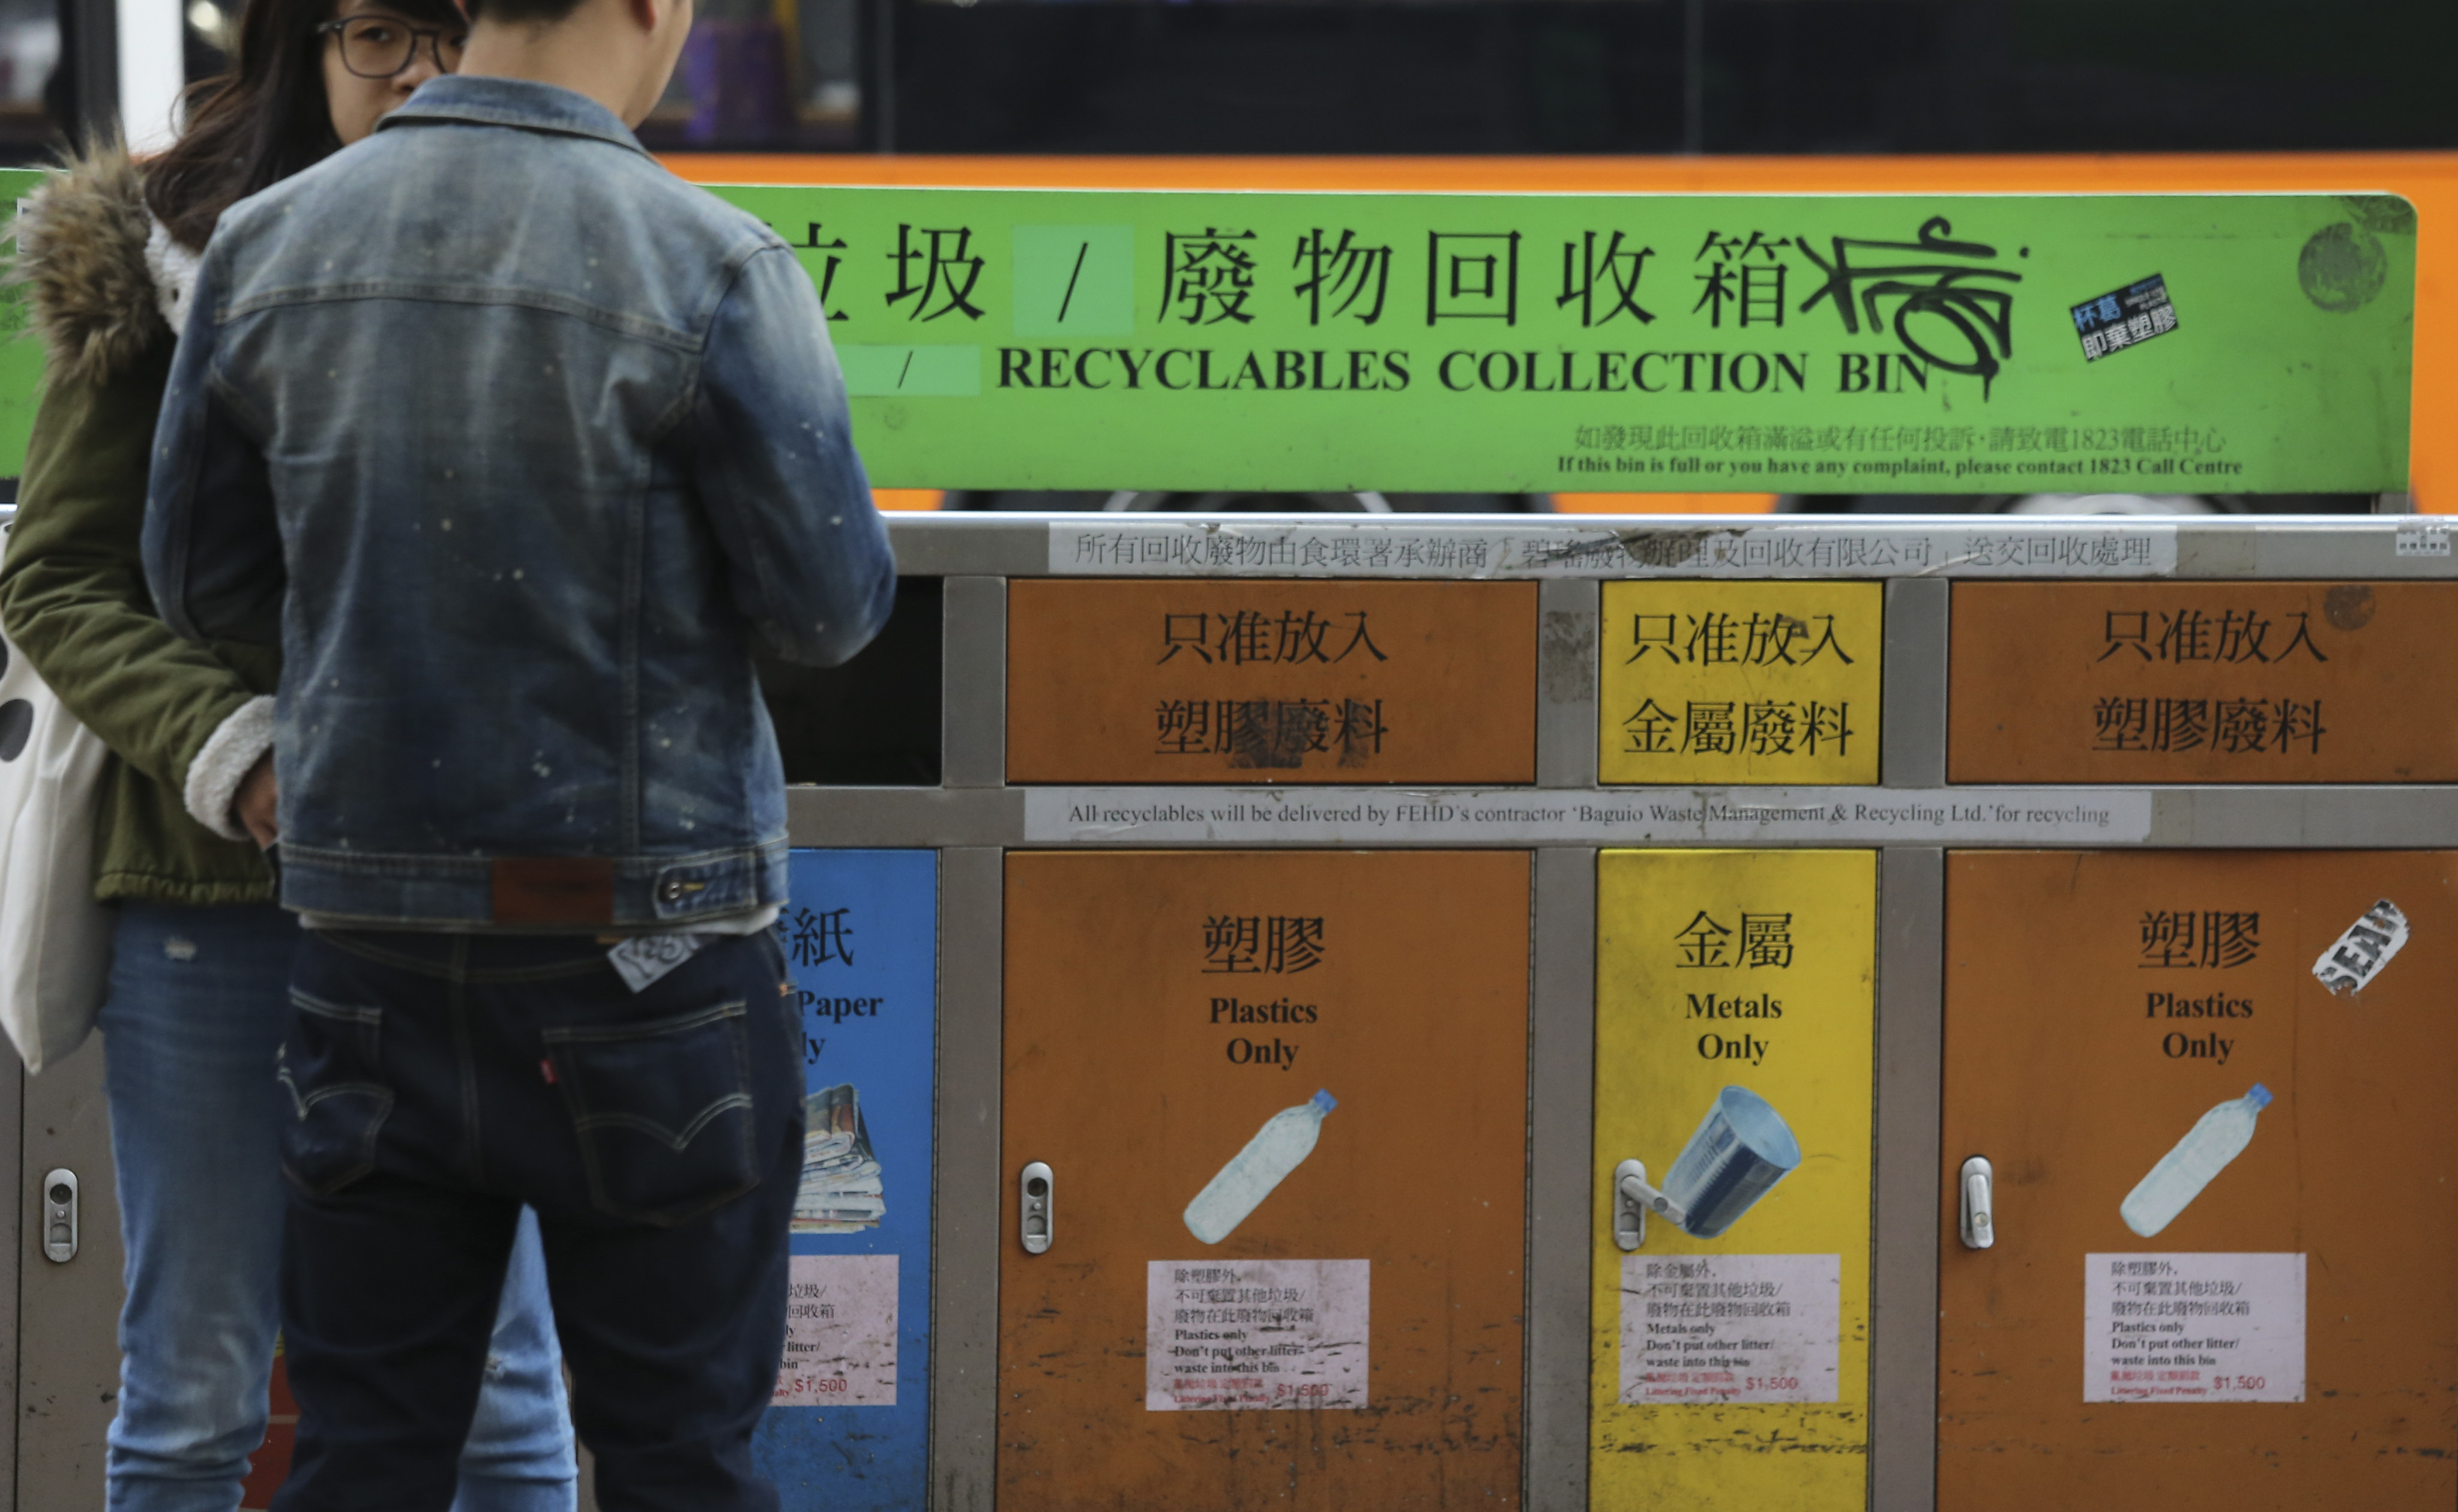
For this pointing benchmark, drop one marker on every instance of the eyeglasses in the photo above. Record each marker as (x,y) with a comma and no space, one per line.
(379,47)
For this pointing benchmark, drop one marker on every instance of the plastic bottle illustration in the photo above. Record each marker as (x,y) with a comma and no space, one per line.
(1279,1147)
(2218,1138)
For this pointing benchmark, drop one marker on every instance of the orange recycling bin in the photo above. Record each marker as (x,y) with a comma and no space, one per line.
(2211,1091)
(2201,682)
(1271,681)
(1278,1104)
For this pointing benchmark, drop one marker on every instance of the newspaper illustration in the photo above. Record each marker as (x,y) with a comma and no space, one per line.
(841,1192)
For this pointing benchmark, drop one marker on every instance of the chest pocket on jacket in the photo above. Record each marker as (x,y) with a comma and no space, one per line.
(662,1111)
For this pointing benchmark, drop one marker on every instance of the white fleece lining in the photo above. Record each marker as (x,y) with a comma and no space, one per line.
(175,271)
(227,758)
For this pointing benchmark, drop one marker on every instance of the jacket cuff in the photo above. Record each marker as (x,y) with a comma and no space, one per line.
(225,762)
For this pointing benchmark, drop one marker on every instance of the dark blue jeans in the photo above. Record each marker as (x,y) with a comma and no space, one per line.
(440,1081)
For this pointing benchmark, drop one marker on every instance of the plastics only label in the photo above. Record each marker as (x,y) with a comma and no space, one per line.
(1232,1335)
(2193,1326)
(1941,343)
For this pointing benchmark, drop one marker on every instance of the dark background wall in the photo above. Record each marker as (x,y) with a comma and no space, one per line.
(1664,76)
(1550,77)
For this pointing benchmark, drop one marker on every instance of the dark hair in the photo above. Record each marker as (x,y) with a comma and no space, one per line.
(264,119)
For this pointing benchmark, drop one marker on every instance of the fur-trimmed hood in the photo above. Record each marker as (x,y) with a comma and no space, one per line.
(104,279)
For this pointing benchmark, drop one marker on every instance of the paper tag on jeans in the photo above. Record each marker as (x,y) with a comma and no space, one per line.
(643,959)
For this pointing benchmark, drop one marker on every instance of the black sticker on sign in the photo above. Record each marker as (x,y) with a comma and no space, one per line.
(2126,317)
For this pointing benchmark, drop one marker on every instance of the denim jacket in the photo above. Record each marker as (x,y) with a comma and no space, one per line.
(514,441)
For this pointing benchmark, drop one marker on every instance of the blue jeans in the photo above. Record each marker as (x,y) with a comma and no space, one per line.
(444,1081)
(200,999)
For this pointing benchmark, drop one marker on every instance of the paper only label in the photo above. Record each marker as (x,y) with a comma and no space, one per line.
(839,1333)
(1248,1334)
(1730,1328)
(2193,1326)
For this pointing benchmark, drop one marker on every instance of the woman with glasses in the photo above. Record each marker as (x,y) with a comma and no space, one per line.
(199,995)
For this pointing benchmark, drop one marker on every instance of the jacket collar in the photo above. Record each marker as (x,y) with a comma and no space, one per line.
(511,102)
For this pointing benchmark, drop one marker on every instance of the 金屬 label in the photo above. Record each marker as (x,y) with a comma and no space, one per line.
(1740,682)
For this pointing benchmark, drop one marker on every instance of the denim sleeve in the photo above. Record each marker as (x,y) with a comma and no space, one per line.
(212,547)
(770,454)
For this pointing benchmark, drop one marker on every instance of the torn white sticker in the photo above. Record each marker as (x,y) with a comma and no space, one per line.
(2423,538)
(1706,1330)
(642,958)
(2357,956)
(1228,1334)
(2193,1326)
(839,1333)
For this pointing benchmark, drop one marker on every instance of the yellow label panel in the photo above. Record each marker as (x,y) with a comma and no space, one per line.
(1732,987)
(1769,681)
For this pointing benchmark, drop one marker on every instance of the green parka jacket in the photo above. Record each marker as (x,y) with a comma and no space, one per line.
(185,722)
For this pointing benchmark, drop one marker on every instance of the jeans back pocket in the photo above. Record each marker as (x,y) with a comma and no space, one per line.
(663,1111)
(330,1067)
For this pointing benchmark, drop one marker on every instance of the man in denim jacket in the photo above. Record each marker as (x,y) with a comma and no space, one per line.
(516,444)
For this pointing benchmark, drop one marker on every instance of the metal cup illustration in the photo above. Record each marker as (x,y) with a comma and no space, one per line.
(1741,1150)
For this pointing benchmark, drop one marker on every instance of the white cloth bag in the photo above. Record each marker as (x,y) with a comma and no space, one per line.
(55,939)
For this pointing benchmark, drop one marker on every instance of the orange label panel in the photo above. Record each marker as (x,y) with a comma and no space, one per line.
(1271,682)
(2203,682)
(1282,1099)
(2224,1206)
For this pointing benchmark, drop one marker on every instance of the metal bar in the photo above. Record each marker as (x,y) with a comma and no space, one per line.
(966,1243)
(2337,548)
(2371,818)
(67,1348)
(973,701)
(12,1157)
(1903,1291)
(893,817)
(1911,726)
(1561,1138)
(1565,682)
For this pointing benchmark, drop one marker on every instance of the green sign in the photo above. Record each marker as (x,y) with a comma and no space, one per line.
(1946,343)
(1943,343)
(21,350)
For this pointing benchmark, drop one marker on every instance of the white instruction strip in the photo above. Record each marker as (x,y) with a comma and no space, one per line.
(1711,1329)
(2356,957)
(1340,815)
(839,1333)
(2193,1326)
(1127,547)
(1221,1334)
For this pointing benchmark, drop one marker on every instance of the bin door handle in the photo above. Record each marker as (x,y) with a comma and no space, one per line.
(1033,1189)
(1979,1219)
(1633,1199)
